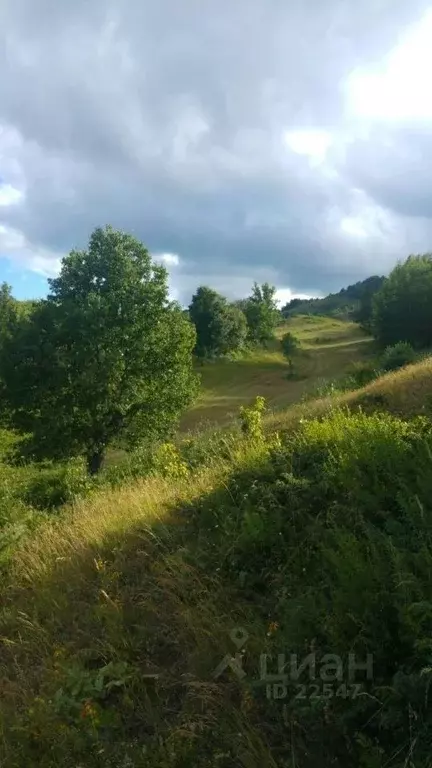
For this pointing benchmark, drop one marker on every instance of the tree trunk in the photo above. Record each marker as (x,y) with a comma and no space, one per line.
(94,462)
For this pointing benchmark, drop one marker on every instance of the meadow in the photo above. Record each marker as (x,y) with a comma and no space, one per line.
(302,529)
(329,347)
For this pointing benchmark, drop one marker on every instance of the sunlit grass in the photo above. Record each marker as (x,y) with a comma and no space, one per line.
(328,347)
(120,577)
(406,392)
(109,581)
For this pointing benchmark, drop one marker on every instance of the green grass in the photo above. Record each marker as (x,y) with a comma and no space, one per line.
(315,537)
(406,393)
(329,348)
(115,618)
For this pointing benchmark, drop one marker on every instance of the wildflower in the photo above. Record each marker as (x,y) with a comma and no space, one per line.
(88,709)
(273,627)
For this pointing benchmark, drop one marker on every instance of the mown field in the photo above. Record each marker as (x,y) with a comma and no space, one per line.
(330,347)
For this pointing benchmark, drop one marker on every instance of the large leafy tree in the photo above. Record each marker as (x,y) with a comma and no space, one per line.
(262,313)
(105,355)
(402,308)
(220,327)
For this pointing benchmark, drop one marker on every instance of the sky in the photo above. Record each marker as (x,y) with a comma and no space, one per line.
(240,140)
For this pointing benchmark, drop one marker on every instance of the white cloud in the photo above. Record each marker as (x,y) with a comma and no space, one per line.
(399,90)
(15,247)
(185,137)
(312,143)
(169,259)
(9,195)
(353,226)
(284,295)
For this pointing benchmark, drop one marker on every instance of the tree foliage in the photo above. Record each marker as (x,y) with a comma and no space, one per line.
(262,313)
(354,302)
(220,327)
(402,309)
(105,355)
(8,312)
(289,308)
(397,356)
(369,288)
(289,344)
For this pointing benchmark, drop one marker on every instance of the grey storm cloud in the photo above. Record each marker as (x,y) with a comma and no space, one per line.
(176,121)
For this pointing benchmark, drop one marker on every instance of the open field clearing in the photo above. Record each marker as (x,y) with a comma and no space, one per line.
(329,347)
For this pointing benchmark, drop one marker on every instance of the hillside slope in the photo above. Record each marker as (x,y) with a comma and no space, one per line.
(120,620)
(406,393)
(330,346)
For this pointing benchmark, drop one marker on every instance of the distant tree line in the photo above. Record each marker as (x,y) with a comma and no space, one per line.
(108,357)
(353,302)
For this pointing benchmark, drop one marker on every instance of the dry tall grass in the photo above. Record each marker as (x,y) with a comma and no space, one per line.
(110,585)
(406,392)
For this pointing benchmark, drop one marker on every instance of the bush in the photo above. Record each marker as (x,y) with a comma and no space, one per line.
(290,344)
(147,459)
(251,419)
(16,517)
(361,374)
(168,462)
(397,356)
(331,537)
(48,485)
(317,544)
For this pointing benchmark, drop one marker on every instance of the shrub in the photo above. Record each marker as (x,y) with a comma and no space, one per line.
(147,459)
(317,544)
(139,462)
(289,343)
(357,376)
(397,356)
(75,478)
(361,374)
(251,419)
(331,536)
(47,485)
(168,462)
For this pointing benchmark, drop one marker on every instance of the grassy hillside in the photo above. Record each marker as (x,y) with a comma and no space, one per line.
(406,393)
(329,345)
(116,616)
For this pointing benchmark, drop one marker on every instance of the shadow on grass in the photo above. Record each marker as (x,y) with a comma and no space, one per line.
(141,603)
(153,607)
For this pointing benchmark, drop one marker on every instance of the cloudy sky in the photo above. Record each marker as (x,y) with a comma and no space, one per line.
(241,140)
